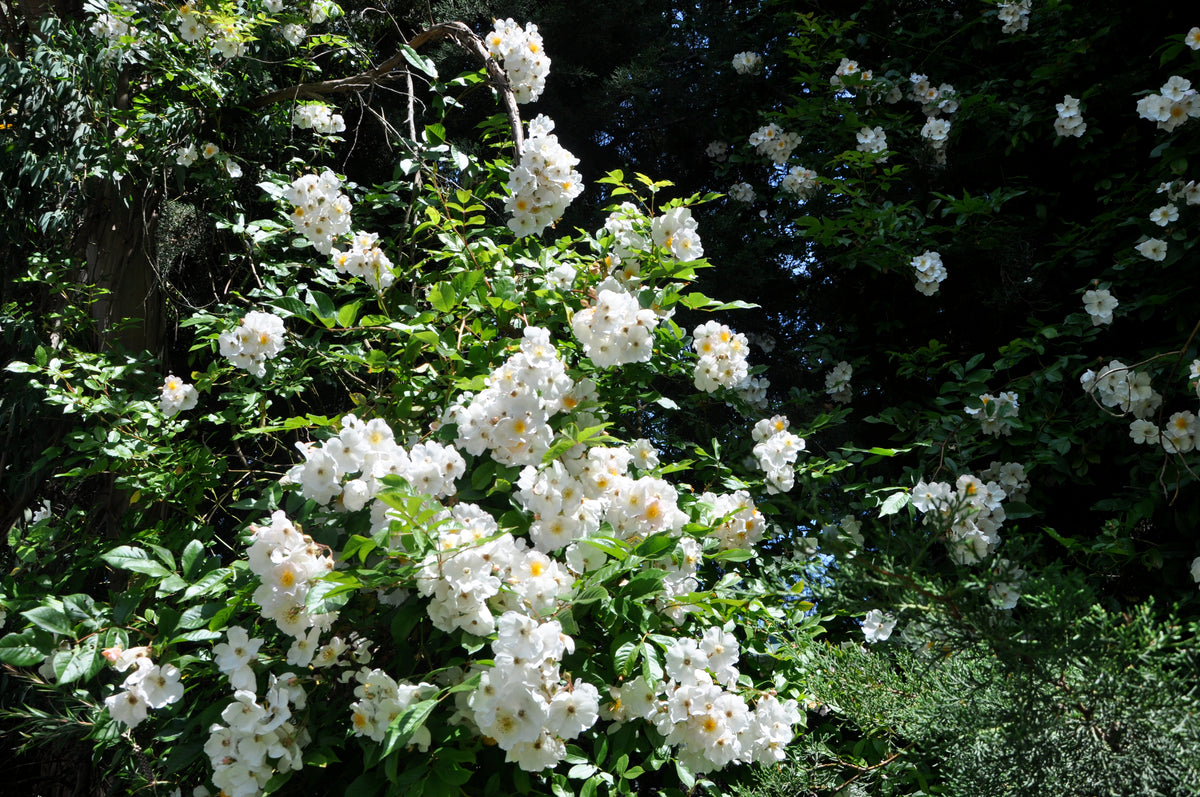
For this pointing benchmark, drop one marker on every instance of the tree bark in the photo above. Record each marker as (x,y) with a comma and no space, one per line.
(115,238)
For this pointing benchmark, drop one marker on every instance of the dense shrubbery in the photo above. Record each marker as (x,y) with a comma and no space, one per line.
(423,482)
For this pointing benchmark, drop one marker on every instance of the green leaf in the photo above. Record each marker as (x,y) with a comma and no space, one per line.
(164,555)
(1016,510)
(226,611)
(291,306)
(483,474)
(651,668)
(170,584)
(368,784)
(733,555)
(727,581)
(50,619)
(24,649)
(79,663)
(561,446)
(685,776)
(198,635)
(208,583)
(468,685)
(277,781)
(420,62)
(442,297)
(401,729)
(325,310)
(79,607)
(655,546)
(626,656)
(347,314)
(614,548)
(358,546)
(451,772)
(736,305)
(1070,543)
(590,595)
(196,616)
(127,557)
(330,593)
(191,557)
(581,771)
(894,503)
(271,189)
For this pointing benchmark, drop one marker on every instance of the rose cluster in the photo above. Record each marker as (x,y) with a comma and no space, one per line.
(776,450)
(772,142)
(969,512)
(149,686)
(723,354)
(740,525)
(873,140)
(318,117)
(523,57)
(544,182)
(996,414)
(365,259)
(351,466)
(176,396)
(693,709)
(320,211)
(930,272)
(1120,387)
(1014,15)
(255,739)
(616,329)
(1070,120)
(845,69)
(523,702)
(799,181)
(257,338)
(837,382)
(747,63)
(1177,103)
(510,417)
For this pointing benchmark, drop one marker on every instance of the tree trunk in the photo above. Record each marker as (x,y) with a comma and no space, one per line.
(115,238)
